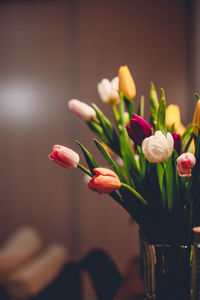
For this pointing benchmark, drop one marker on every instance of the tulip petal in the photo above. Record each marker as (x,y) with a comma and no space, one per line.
(106,181)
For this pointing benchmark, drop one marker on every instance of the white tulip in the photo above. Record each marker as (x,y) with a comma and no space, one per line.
(158,148)
(81,109)
(108,90)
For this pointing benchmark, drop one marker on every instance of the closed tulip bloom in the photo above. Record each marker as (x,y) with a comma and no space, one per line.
(105,181)
(82,110)
(185,163)
(139,129)
(108,90)
(126,82)
(64,156)
(158,148)
(177,141)
(173,116)
(196,118)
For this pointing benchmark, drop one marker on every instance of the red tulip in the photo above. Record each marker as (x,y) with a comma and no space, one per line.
(106,181)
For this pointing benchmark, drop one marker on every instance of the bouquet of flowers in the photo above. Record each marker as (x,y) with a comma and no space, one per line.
(153,167)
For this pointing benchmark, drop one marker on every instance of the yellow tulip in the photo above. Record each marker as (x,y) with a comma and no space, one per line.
(196,118)
(180,128)
(173,116)
(126,82)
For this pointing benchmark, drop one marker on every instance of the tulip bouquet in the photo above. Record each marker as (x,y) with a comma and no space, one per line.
(153,167)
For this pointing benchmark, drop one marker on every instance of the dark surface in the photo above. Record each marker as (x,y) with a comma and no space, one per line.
(3,294)
(104,275)
(66,286)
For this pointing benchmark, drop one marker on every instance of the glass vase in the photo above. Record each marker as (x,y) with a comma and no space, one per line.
(170,272)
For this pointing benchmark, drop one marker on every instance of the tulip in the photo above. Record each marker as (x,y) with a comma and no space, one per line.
(196,118)
(126,117)
(158,148)
(139,129)
(108,90)
(185,162)
(81,109)
(64,156)
(177,141)
(126,82)
(105,181)
(173,116)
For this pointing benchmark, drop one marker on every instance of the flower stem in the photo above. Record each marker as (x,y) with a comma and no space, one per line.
(85,170)
(136,194)
(115,113)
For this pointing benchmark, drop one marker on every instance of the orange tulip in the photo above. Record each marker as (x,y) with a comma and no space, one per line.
(105,181)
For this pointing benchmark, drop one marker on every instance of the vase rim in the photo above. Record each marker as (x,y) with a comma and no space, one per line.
(166,245)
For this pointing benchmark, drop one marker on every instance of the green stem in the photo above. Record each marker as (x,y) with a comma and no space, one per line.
(115,113)
(85,170)
(188,143)
(136,194)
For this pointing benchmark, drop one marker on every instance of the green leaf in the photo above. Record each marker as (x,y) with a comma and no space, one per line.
(108,129)
(133,192)
(171,181)
(161,114)
(160,173)
(185,138)
(92,163)
(98,130)
(197,96)
(171,128)
(130,105)
(111,162)
(141,107)
(196,169)
(142,162)
(130,164)
(154,104)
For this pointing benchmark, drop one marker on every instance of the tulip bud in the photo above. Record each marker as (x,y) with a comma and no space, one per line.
(139,129)
(126,117)
(108,90)
(158,148)
(126,82)
(196,118)
(82,110)
(106,181)
(64,156)
(173,116)
(177,142)
(185,162)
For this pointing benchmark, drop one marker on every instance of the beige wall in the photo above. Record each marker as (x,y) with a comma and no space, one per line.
(49,52)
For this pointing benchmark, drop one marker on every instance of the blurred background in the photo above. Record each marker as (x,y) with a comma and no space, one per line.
(52,51)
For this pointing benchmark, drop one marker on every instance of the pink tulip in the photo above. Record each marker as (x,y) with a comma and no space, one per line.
(106,181)
(185,162)
(82,110)
(64,156)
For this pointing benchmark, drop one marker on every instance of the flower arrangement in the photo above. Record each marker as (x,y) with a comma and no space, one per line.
(153,171)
